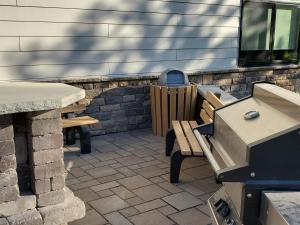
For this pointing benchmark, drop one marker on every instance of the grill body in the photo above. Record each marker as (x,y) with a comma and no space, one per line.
(253,154)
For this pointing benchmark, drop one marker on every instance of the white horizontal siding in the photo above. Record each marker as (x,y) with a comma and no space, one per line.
(9,44)
(8,2)
(69,57)
(170,31)
(156,67)
(64,38)
(9,28)
(106,44)
(85,16)
(138,6)
(190,54)
(52,71)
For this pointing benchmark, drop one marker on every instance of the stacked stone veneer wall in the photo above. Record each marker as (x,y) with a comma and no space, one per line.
(123,105)
(32,175)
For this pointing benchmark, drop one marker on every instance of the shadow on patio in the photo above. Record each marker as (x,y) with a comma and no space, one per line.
(126,181)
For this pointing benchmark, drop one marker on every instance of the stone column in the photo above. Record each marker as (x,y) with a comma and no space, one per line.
(46,157)
(9,190)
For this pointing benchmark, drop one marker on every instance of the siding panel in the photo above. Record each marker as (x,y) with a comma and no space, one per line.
(138,6)
(9,44)
(51,29)
(206,54)
(52,71)
(8,2)
(157,67)
(170,31)
(84,16)
(69,57)
(210,21)
(101,44)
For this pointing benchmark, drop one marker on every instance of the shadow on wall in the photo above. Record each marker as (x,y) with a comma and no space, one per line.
(88,50)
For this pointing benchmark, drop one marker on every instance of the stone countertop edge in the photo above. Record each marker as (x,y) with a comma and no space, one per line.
(17,97)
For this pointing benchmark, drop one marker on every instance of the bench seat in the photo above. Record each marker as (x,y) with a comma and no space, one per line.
(182,131)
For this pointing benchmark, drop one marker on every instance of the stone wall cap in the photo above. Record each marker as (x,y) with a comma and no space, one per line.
(16,97)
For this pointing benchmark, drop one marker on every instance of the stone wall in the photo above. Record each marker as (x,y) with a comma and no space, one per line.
(119,105)
(123,104)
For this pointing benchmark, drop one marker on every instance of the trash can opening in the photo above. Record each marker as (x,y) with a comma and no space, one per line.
(173,77)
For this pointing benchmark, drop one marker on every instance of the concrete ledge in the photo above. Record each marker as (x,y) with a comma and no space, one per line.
(16,97)
(154,76)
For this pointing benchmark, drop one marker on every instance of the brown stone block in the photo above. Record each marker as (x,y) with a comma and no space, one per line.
(51,141)
(57,183)
(7,179)
(51,198)
(9,194)
(44,127)
(207,79)
(47,156)
(7,162)
(7,148)
(41,115)
(48,170)
(41,186)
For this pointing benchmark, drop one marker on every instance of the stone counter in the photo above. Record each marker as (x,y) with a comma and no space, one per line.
(32,173)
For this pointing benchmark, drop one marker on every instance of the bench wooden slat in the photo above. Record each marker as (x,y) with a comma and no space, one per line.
(79,121)
(187,103)
(181,139)
(191,139)
(193,102)
(73,108)
(212,99)
(205,117)
(173,107)
(193,124)
(180,108)
(208,108)
(165,113)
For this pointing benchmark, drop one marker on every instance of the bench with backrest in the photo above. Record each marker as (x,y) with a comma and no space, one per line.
(71,123)
(182,131)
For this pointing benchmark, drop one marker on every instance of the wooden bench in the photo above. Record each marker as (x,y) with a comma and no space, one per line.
(182,131)
(71,123)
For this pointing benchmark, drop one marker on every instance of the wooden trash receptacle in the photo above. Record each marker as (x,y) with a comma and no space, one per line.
(171,103)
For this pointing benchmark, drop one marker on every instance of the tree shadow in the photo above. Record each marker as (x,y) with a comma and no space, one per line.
(81,51)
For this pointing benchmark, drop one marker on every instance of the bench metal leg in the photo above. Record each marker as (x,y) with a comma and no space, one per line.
(85,140)
(176,161)
(70,136)
(170,140)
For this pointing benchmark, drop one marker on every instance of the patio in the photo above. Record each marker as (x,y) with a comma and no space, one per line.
(125,180)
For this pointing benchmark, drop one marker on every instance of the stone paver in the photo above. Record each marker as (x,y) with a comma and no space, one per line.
(116,218)
(151,192)
(125,181)
(109,204)
(191,217)
(134,182)
(91,218)
(182,200)
(151,218)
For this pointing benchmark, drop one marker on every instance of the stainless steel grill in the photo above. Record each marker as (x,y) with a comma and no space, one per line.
(255,147)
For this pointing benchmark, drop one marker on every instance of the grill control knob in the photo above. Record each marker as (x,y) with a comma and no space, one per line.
(230,222)
(225,211)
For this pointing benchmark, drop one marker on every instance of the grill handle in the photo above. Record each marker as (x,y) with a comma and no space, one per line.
(207,152)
